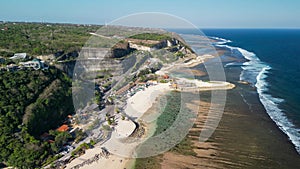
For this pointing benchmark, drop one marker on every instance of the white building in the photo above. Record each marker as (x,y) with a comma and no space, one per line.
(19,56)
(35,64)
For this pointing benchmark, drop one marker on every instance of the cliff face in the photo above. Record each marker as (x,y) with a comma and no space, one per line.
(122,49)
(67,67)
(172,45)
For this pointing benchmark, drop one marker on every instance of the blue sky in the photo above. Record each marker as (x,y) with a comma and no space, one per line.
(203,13)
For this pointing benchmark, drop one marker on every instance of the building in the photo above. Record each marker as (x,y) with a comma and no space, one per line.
(35,64)
(19,56)
(166,76)
(152,82)
(63,128)
(124,89)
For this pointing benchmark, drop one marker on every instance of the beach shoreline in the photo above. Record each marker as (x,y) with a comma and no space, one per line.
(136,110)
(245,138)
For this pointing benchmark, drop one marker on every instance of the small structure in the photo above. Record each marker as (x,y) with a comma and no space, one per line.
(35,64)
(166,76)
(18,56)
(124,89)
(125,128)
(63,128)
(152,82)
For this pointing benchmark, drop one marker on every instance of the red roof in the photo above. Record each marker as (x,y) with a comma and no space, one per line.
(166,76)
(63,128)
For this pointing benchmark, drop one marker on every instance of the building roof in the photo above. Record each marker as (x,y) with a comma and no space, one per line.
(19,56)
(166,76)
(63,128)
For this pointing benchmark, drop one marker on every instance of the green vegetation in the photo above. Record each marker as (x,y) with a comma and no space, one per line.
(43,39)
(170,113)
(179,54)
(31,104)
(164,121)
(148,163)
(163,81)
(151,36)
(52,159)
(36,102)
(60,138)
(167,119)
(80,135)
(38,118)
(81,149)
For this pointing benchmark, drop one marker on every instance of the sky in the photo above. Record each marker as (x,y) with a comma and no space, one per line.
(202,13)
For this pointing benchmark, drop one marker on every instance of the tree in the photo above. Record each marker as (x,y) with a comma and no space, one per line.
(54,148)
(109,122)
(62,138)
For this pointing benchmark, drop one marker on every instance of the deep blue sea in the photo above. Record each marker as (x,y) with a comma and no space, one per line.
(273,68)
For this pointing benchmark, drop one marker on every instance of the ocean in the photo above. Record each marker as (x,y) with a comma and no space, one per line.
(272,68)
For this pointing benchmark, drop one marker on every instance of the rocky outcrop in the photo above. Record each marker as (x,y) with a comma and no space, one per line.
(61,56)
(121,49)
(67,67)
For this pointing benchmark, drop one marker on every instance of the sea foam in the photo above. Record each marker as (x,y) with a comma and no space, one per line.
(256,73)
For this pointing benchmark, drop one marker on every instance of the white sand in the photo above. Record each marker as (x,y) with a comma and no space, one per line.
(112,162)
(210,85)
(139,103)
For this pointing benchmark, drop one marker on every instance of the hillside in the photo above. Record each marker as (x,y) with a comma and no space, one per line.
(36,99)
(42,39)
(31,102)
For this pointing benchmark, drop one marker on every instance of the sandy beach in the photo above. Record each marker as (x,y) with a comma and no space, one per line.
(137,105)
(113,161)
(245,138)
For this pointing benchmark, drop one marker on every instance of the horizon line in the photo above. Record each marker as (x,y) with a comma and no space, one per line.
(102,24)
